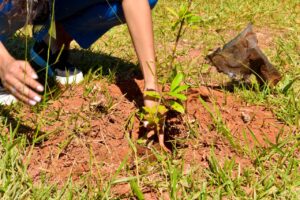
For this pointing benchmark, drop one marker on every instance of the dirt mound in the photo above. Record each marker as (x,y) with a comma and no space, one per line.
(222,117)
(89,130)
(85,130)
(257,122)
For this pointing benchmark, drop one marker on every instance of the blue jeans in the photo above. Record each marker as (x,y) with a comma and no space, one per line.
(88,20)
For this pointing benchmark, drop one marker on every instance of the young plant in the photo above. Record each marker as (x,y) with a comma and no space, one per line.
(154,117)
(174,98)
(183,19)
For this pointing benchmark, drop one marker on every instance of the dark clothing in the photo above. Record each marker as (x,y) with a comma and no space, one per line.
(85,21)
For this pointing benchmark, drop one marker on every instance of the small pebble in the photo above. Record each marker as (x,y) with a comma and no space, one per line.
(245,117)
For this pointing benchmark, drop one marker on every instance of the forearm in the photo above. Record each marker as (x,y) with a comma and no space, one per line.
(5,56)
(3,52)
(139,21)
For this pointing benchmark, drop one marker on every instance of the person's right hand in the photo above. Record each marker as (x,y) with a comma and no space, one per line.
(20,80)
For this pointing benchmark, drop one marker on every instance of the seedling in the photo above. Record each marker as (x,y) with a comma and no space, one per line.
(184,18)
(154,118)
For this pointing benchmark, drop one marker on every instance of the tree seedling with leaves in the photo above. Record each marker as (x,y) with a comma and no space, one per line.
(154,118)
(183,19)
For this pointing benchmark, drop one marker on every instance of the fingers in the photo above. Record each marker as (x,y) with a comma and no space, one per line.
(151,133)
(161,138)
(27,69)
(21,97)
(26,80)
(22,92)
(20,81)
(29,76)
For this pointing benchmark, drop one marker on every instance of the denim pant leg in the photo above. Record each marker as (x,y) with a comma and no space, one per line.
(90,24)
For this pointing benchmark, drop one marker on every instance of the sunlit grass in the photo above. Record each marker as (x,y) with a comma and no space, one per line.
(274,170)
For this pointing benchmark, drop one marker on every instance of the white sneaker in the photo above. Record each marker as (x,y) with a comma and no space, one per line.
(68,75)
(6,98)
(62,70)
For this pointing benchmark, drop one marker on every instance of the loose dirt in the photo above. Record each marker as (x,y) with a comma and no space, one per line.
(89,132)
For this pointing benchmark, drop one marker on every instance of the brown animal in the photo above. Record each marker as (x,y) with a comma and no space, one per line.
(243,57)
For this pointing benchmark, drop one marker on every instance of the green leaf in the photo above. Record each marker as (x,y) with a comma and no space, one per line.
(146,109)
(162,109)
(174,26)
(153,110)
(52,30)
(2,190)
(176,82)
(42,137)
(289,85)
(181,97)
(183,11)
(136,190)
(193,19)
(173,12)
(181,88)
(11,146)
(178,107)
(141,141)
(124,180)
(152,94)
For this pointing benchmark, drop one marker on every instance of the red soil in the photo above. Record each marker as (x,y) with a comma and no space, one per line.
(85,131)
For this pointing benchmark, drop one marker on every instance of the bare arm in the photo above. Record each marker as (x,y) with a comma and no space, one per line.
(19,78)
(139,21)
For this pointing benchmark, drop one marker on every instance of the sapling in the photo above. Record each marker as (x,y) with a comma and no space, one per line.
(154,118)
(184,18)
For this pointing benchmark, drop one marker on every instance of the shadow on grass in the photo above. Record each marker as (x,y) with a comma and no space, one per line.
(172,130)
(233,85)
(123,72)
(16,125)
(124,75)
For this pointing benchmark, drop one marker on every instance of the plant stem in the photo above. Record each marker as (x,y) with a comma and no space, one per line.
(179,34)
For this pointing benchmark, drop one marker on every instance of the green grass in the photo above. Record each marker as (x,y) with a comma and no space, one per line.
(274,172)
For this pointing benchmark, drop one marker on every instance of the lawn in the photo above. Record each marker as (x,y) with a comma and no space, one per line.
(86,141)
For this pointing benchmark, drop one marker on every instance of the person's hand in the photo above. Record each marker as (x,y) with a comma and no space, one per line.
(154,119)
(20,80)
